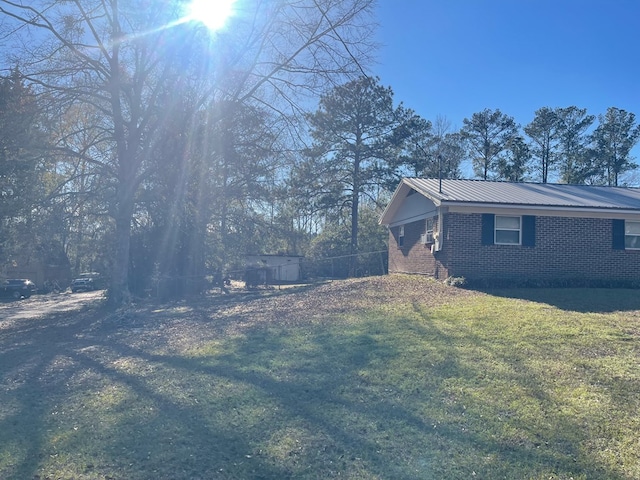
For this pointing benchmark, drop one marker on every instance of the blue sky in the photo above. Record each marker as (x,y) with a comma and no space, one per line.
(456,57)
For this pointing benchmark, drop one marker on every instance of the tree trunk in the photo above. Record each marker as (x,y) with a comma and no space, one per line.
(119,288)
(355,198)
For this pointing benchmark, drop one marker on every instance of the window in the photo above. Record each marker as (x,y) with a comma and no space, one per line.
(507,230)
(401,236)
(428,231)
(632,235)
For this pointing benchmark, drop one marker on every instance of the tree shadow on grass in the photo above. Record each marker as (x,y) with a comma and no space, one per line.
(531,428)
(82,405)
(584,300)
(88,397)
(81,401)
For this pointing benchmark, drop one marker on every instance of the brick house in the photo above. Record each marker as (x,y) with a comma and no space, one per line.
(515,232)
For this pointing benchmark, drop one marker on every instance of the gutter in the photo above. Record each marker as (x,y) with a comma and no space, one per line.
(549,210)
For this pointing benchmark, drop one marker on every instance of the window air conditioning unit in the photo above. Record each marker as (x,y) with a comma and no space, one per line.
(426,238)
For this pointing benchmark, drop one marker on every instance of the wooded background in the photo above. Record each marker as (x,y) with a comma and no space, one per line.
(145,147)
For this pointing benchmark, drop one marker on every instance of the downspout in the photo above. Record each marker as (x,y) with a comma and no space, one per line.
(440,238)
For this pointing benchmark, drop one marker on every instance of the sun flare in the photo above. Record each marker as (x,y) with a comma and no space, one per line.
(211,13)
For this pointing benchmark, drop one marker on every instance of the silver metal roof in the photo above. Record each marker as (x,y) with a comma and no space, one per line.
(526,194)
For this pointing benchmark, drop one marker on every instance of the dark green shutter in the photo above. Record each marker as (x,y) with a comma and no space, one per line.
(488,227)
(617,234)
(528,231)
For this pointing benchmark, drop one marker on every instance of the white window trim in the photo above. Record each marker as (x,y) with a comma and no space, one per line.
(495,230)
(429,231)
(401,236)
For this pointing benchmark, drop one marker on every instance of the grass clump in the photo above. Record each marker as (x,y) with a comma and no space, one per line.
(393,377)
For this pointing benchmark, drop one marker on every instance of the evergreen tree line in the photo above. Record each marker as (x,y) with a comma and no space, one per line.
(153,172)
(565,145)
(362,145)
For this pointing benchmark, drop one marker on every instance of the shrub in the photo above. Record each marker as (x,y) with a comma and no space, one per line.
(456,281)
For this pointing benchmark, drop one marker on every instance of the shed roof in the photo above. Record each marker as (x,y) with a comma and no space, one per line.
(525,195)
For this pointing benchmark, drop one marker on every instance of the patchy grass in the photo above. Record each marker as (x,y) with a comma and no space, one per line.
(388,377)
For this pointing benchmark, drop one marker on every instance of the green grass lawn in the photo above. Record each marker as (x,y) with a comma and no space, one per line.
(383,378)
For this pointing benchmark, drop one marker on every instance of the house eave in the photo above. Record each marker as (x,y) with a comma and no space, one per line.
(393,205)
(548,210)
(443,201)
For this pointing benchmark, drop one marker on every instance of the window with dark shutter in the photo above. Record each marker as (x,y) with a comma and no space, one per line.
(617,234)
(488,223)
(528,231)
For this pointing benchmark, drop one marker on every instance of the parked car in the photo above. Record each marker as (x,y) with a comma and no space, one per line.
(86,282)
(17,288)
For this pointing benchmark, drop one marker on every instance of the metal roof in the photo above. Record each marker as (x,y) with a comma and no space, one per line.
(526,194)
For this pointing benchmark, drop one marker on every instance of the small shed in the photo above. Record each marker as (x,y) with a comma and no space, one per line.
(275,268)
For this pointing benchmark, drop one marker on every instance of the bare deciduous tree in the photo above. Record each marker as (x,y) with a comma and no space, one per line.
(129,59)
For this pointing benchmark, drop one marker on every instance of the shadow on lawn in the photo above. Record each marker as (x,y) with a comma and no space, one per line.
(86,397)
(68,409)
(584,300)
(522,424)
(79,401)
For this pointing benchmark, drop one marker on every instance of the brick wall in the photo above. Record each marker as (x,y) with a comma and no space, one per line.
(414,257)
(565,249)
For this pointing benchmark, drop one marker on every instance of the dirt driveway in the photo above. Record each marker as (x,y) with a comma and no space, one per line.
(40,306)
